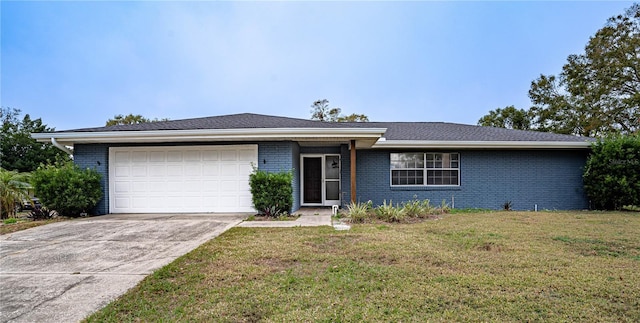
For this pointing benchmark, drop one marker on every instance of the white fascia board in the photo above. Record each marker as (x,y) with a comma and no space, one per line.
(210,135)
(483,144)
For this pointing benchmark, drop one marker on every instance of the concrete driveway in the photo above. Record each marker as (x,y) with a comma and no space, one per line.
(64,271)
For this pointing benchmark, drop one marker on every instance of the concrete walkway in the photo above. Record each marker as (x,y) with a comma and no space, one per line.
(309,217)
(64,271)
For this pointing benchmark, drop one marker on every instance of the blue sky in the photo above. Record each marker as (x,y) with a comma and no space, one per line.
(77,64)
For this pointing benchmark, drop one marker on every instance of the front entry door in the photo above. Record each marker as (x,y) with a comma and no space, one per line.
(320,179)
(312,179)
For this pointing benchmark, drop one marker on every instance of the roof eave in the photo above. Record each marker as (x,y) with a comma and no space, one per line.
(70,138)
(482,144)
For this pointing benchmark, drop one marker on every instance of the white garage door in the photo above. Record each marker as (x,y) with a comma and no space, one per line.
(181,179)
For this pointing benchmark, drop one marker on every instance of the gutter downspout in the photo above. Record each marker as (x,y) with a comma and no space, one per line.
(61,147)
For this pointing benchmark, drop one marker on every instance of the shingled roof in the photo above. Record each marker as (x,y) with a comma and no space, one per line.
(232,121)
(415,131)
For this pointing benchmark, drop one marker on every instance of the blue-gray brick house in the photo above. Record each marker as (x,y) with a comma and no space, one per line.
(203,164)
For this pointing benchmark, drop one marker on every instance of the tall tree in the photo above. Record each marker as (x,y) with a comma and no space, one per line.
(321,111)
(598,92)
(130,119)
(354,117)
(509,117)
(20,152)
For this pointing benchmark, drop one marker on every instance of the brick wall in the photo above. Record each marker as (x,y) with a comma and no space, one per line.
(295,158)
(550,179)
(345,175)
(281,156)
(95,157)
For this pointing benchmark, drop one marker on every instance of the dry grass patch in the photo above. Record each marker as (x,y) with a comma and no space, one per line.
(24,224)
(501,266)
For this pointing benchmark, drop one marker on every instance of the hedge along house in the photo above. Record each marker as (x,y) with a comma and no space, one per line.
(203,164)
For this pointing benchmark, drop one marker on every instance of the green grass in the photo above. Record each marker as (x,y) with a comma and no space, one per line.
(23,223)
(499,266)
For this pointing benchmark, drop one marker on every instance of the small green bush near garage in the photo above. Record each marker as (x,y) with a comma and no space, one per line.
(67,188)
(271,192)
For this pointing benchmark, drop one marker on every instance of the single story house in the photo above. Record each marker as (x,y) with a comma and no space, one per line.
(203,164)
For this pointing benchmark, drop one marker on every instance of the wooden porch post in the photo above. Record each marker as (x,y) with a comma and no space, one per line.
(353,171)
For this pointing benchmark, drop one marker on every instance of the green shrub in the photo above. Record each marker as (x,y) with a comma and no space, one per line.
(10,221)
(444,207)
(417,209)
(612,173)
(390,213)
(359,212)
(271,193)
(66,188)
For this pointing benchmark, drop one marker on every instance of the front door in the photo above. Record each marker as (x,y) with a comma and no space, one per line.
(320,179)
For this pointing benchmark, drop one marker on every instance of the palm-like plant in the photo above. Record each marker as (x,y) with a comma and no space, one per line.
(14,187)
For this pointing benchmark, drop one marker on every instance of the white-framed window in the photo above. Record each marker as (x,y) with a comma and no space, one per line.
(425,169)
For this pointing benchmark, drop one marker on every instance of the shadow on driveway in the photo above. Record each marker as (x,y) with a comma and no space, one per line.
(62,272)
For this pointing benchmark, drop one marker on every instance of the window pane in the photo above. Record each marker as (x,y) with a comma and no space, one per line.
(442,177)
(442,160)
(407,160)
(431,160)
(332,167)
(434,160)
(454,158)
(407,177)
(332,190)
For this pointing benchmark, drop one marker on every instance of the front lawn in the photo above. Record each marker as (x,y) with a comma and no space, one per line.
(497,266)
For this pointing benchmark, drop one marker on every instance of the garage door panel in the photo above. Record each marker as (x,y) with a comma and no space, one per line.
(156,186)
(139,202)
(245,171)
(157,201)
(210,186)
(139,156)
(210,170)
(210,155)
(228,155)
(174,156)
(139,171)
(227,169)
(122,157)
(193,186)
(122,171)
(121,202)
(139,187)
(192,155)
(157,170)
(157,156)
(174,170)
(229,200)
(246,155)
(122,187)
(181,179)
(193,170)
(245,200)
